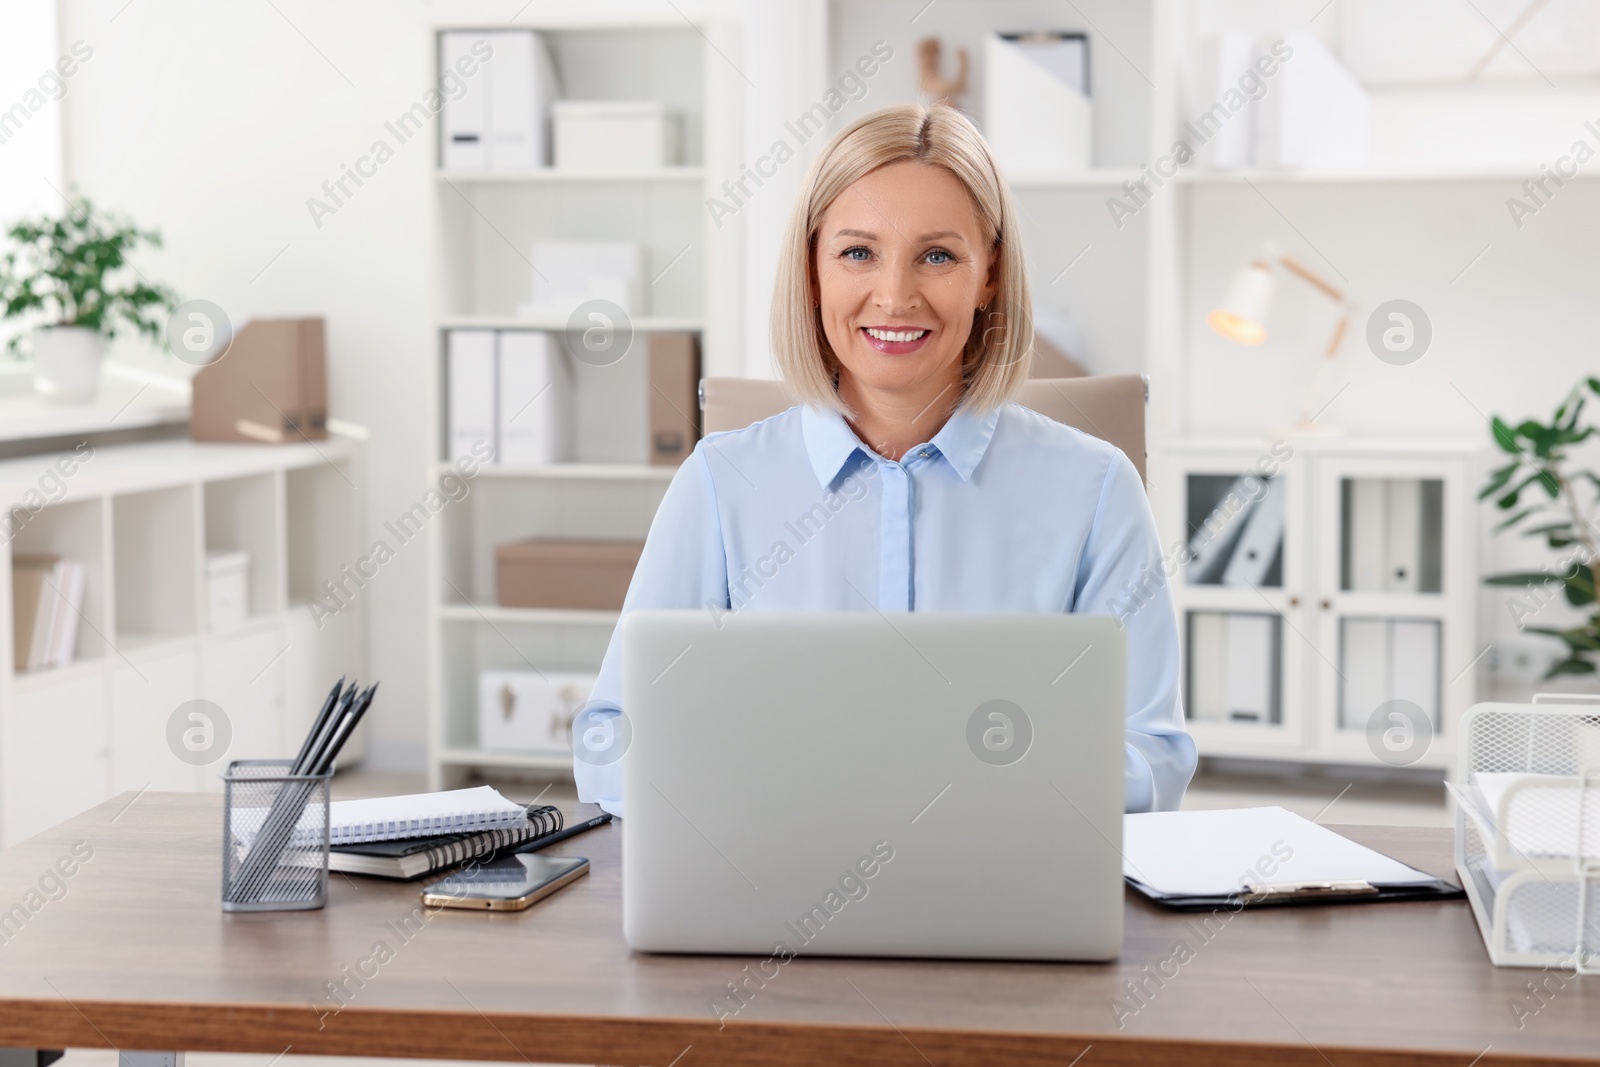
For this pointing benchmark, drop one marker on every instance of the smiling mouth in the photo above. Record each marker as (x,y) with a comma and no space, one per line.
(894,336)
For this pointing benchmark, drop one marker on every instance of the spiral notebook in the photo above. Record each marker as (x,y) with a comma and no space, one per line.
(411,857)
(455,811)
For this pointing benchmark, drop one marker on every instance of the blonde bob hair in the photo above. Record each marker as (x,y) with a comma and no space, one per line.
(995,360)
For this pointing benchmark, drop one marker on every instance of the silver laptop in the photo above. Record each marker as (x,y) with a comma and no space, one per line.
(859,784)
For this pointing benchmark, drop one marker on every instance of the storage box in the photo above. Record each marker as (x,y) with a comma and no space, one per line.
(270,386)
(614,136)
(569,273)
(530,712)
(227,598)
(674,397)
(571,575)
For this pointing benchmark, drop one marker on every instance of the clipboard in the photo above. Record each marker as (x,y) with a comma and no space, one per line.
(1275,894)
(1262,857)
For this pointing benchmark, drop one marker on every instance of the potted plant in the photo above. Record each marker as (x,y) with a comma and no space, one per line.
(69,271)
(1540,492)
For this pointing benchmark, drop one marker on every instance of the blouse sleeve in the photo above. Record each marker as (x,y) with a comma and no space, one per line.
(1122,574)
(683,566)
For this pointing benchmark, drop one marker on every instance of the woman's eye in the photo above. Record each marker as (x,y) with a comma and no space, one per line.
(938,257)
(857,254)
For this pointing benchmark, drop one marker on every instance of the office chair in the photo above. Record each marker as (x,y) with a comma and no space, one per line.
(1108,406)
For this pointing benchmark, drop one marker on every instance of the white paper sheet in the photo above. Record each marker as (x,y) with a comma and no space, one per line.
(1214,853)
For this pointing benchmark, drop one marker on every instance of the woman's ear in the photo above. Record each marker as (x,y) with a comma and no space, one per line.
(991,280)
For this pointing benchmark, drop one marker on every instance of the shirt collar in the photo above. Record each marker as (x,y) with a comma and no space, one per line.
(830,443)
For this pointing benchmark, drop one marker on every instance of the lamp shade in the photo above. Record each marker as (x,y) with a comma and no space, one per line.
(1242,317)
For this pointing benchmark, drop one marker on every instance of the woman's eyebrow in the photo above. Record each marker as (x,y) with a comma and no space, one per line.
(935,236)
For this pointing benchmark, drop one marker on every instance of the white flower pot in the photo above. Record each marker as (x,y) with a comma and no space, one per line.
(66,363)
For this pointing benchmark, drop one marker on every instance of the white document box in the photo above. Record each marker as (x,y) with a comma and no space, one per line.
(529,711)
(614,136)
(227,589)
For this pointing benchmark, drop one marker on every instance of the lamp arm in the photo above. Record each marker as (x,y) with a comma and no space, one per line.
(1326,288)
(1311,278)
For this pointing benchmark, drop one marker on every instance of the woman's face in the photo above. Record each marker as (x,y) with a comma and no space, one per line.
(900,267)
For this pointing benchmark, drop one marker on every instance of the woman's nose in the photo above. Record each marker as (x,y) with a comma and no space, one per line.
(897,286)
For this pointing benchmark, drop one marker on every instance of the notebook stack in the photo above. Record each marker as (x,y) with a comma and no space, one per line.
(46,599)
(410,836)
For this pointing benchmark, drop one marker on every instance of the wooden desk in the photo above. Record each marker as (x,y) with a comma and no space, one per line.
(137,954)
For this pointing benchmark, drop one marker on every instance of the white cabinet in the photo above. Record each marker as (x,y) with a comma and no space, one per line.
(1326,597)
(144,696)
(55,762)
(142,519)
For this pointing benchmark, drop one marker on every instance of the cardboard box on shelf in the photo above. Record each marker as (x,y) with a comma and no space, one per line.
(576,575)
(674,397)
(270,386)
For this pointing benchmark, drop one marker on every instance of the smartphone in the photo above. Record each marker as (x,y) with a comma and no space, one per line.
(509,883)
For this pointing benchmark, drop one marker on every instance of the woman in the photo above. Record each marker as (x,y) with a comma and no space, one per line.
(905,480)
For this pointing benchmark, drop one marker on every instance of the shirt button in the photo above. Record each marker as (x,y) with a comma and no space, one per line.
(923,454)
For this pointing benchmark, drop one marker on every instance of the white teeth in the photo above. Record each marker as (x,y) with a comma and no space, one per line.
(896,335)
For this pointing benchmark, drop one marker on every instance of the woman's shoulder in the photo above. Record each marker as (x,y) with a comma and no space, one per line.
(1045,438)
(774,439)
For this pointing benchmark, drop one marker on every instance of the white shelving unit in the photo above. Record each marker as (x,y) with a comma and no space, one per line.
(141,518)
(484,223)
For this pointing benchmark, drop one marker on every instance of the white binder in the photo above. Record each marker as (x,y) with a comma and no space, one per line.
(522,86)
(1207,695)
(1403,540)
(472,392)
(1364,662)
(1258,545)
(1247,667)
(1206,563)
(1414,664)
(465,122)
(1365,527)
(535,400)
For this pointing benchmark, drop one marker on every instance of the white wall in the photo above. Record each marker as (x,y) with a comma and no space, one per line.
(30,110)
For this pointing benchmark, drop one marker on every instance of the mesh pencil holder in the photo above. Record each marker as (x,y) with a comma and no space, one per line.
(1527,843)
(274,837)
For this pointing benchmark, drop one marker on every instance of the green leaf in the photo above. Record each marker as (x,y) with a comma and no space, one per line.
(1519,516)
(1520,578)
(1580,588)
(1570,666)
(1498,480)
(1504,436)
(1509,500)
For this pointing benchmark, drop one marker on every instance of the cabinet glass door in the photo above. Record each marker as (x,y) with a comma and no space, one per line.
(1385,634)
(1238,599)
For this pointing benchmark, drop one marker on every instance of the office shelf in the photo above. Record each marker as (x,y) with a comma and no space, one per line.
(557,176)
(482,757)
(601,472)
(640,324)
(490,613)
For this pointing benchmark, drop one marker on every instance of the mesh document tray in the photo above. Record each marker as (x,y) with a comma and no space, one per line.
(1527,797)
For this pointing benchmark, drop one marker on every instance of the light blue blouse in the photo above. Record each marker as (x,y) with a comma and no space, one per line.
(1007,511)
